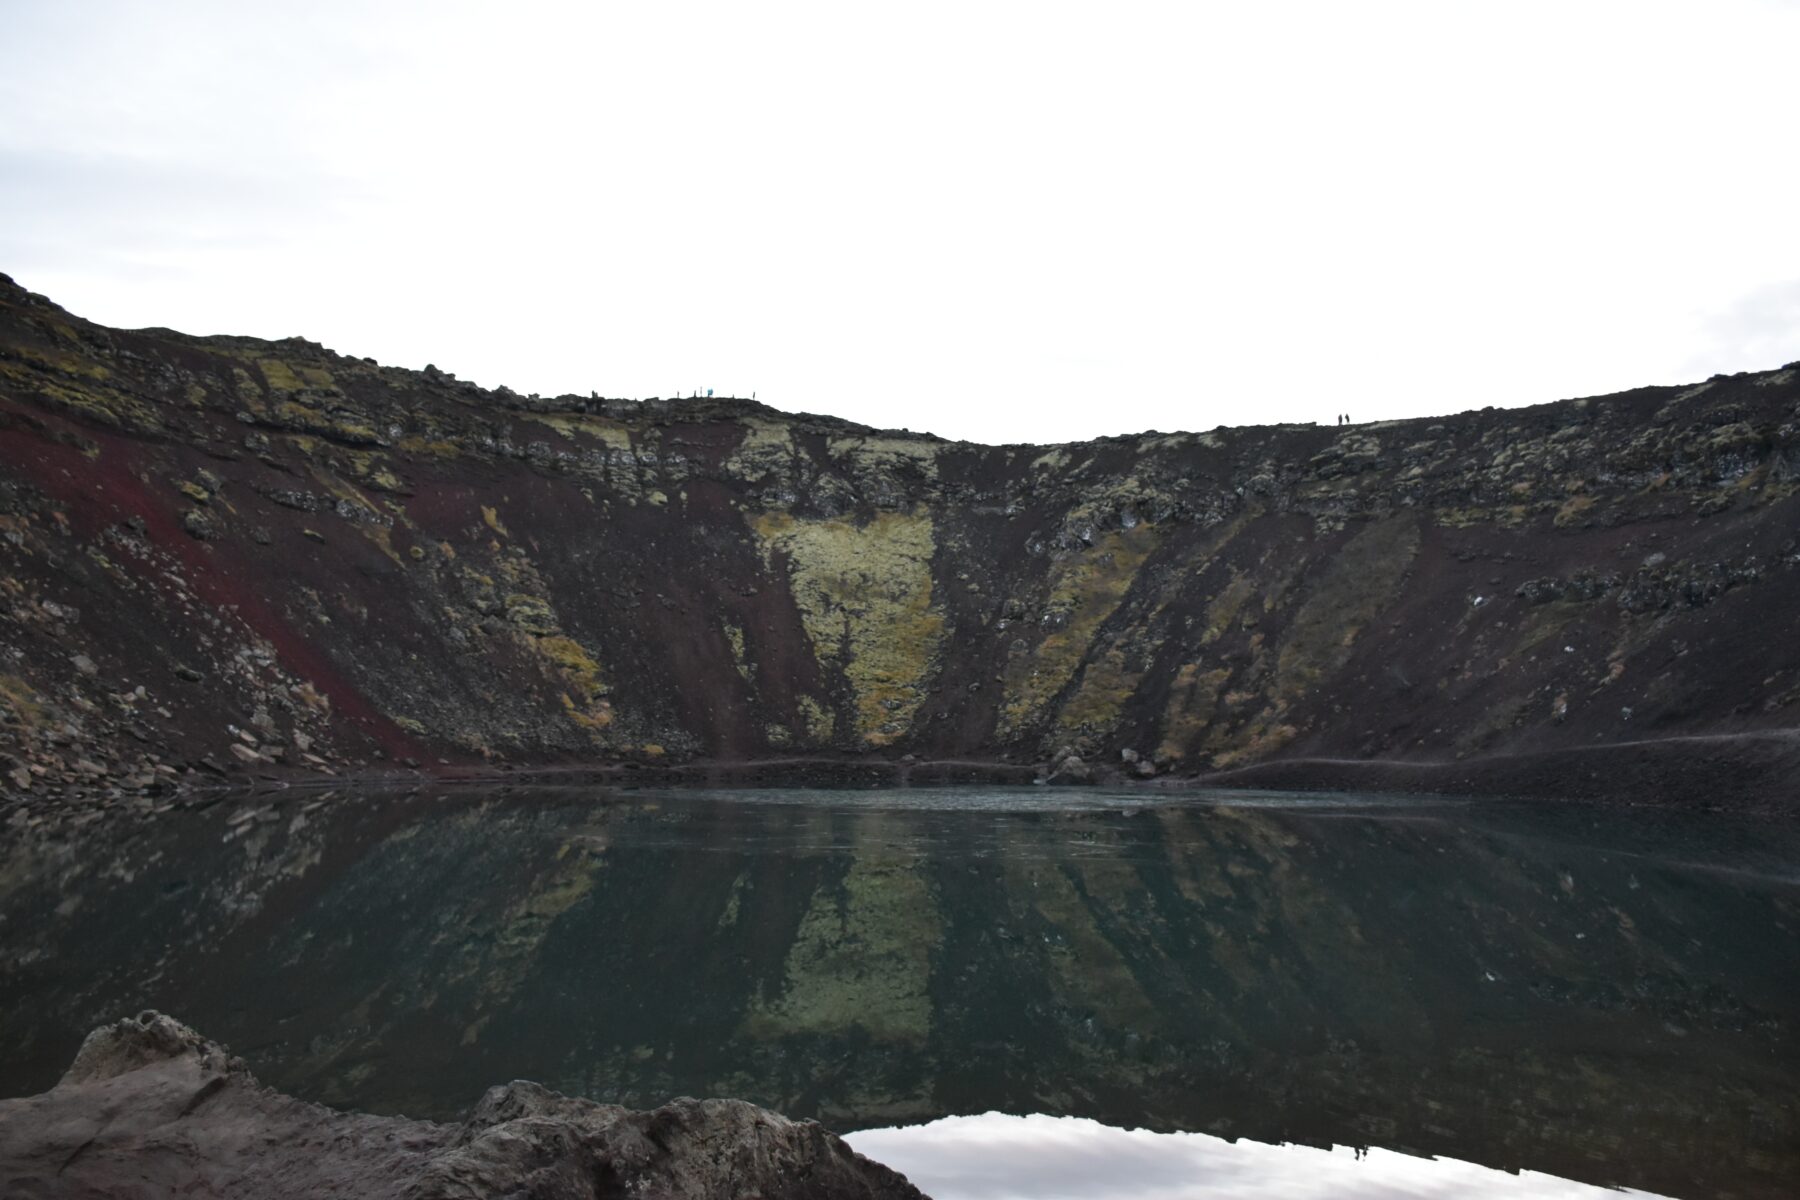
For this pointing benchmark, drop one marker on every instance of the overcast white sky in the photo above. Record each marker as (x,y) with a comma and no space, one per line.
(996,221)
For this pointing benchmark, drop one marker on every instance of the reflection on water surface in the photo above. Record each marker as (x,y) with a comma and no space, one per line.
(1604,996)
(996,1157)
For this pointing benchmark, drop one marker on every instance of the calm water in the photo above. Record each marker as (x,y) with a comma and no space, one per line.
(1604,996)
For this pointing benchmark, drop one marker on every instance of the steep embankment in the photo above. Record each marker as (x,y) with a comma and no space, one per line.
(224,553)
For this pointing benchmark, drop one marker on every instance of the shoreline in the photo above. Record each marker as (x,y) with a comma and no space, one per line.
(1752,773)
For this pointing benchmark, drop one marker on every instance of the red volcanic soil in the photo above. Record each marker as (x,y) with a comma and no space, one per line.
(227,556)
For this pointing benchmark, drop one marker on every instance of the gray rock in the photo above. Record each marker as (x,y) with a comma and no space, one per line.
(198,524)
(136,1042)
(151,1108)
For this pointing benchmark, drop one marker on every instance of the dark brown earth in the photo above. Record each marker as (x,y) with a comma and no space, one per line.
(228,557)
(150,1108)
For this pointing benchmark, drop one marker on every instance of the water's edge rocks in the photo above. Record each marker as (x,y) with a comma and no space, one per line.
(1749,773)
(151,1108)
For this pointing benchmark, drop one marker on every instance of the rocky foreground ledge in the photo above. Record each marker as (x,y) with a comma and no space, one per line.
(150,1108)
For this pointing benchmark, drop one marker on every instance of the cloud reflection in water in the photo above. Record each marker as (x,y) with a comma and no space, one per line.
(999,1157)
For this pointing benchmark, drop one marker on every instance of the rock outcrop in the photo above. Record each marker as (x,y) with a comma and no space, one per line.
(150,1108)
(225,555)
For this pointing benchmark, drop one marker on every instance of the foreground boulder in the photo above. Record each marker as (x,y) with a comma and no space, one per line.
(150,1108)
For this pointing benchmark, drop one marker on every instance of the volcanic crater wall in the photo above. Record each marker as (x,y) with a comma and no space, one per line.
(227,553)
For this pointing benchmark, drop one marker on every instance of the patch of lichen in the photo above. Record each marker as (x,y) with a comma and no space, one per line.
(507,598)
(376,531)
(864,593)
(1358,582)
(1110,676)
(1114,672)
(1104,501)
(861,958)
(82,396)
(62,362)
(249,391)
(540,633)
(888,453)
(430,447)
(1542,624)
(1097,706)
(820,725)
(21,701)
(767,449)
(370,469)
(1342,600)
(1225,607)
(279,376)
(1193,699)
(614,434)
(533,614)
(887,472)
(734,634)
(291,414)
(1258,740)
(1085,589)
(1573,510)
(587,705)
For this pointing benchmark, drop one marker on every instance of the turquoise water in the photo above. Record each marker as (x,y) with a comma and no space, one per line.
(1608,996)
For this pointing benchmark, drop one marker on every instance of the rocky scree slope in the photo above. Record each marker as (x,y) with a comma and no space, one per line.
(226,554)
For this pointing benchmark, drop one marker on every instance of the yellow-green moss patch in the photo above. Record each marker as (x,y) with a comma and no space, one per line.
(1193,698)
(864,592)
(614,434)
(17,695)
(1362,579)
(1085,589)
(279,375)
